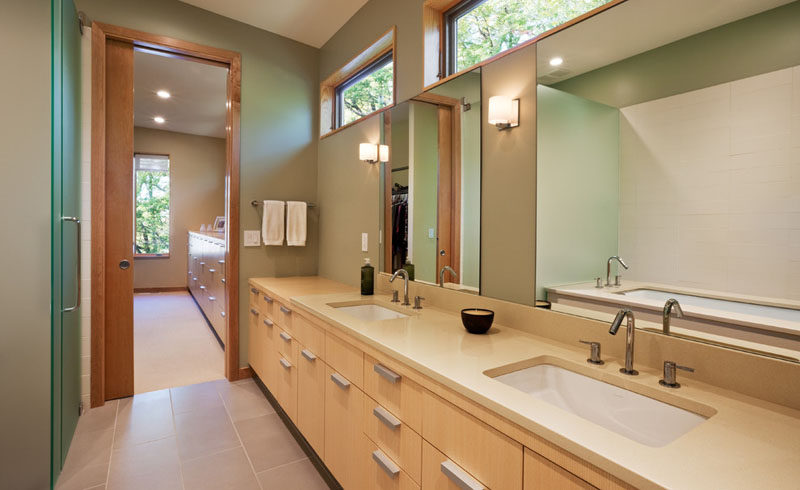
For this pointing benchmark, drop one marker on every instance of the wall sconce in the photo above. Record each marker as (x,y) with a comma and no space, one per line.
(369,153)
(503,112)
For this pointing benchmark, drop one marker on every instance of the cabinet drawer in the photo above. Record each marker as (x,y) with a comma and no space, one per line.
(266,304)
(255,353)
(253,294)
(286,344)
(344,429)
(344,358)
(393,437)
(543,474)
(441,473)
(283,315)
(269,354)
(311,399)
(383,473)
(309,335)
(400,395)
(287,386)
(491,457)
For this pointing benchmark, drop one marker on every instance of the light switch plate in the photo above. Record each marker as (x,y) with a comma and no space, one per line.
(364,242)
(431,233)
(252,238)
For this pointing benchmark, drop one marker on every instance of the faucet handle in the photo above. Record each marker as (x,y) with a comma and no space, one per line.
(395,296)
(598,283)
(418,302)
(595,352)
(670,374)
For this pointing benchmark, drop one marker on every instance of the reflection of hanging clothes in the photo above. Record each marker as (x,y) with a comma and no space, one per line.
(399,228)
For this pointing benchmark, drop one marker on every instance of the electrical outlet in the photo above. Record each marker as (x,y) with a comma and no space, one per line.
(365,242)
(252,238)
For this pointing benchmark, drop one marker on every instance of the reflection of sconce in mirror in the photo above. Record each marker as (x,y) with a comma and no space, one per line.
(503,112)
(367,152)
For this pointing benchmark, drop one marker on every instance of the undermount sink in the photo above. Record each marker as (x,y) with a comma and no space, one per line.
(370,312)
(637,417)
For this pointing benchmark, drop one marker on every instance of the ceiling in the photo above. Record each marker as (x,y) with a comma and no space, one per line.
(311,22)
(197,104)
(634,27)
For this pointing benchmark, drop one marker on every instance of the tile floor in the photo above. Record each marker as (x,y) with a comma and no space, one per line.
(213,435)
(173,344)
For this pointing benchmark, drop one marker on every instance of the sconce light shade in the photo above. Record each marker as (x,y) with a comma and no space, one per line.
(368,152)
(383,153)
(503,112)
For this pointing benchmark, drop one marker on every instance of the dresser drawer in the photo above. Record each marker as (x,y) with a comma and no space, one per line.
(543,474)
(283,315)
(345,359)
(400,395)
(382,473)
(287,345)
(393,437)
(266,304)
(441,473)
(344,430)
(254,294)
(309,335)
(488,455)
(287,386)
(311,399)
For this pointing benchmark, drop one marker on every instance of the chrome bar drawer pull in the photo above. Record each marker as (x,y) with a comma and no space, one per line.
(387,373)
(286,364)
(254,311)
(254,290)
(340,381)
(194,279)
(388,419)
(202,287)
(202,263)
(385,463)
(212,298)
(223,279)
(212,270)
(286,310)
(222,314)
(268,322)
(286,337)
(308,355)
(220,262)
(267,299)
(460,477)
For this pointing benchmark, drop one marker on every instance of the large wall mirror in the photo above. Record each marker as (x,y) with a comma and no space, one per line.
(432,197)
(669,141)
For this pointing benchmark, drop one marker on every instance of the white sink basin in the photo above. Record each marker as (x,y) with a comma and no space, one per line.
(637,417)
(370,313)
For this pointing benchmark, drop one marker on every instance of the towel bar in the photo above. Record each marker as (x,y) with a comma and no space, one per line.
(256,204)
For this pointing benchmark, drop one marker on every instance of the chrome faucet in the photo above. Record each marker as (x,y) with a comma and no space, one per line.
(672,302)
(449,269)
(631,328)
(608,268)
(404,274)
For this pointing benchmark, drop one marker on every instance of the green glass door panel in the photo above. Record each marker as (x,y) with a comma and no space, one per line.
(66,128)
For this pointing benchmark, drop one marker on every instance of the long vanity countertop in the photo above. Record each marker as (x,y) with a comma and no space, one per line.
(215,236)
(747,443)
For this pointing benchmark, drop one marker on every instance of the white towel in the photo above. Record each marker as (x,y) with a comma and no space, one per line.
(296,214)
(272,223)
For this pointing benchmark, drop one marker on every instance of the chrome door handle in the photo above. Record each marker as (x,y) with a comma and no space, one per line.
(460,477)
(77,221)
(387,373)
(124,264)
(340,380)
(286,310)
(388,419)
(308,355)
(385,463)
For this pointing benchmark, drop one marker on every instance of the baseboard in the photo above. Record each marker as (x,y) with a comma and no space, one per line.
(160,290)
(208,322)
(323,470)
(245,372)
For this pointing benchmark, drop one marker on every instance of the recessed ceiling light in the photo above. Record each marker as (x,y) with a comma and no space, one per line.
(163,94)
(158,120)
(556,61)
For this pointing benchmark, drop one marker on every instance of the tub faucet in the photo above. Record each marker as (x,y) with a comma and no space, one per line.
(672,302)
(631,328)
(608,268)
(449,269)
(404,274)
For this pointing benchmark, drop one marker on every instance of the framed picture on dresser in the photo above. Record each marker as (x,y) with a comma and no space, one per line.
(219,223)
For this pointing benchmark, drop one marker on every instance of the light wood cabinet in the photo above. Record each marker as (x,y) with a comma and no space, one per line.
(382,473)
(441,473)
(384,382)
(395,438)
(344,429)
(310,335)
(255,346)
(206,279)
(269,353)
(311,398)
(287,383)
(346,359)
(543,474)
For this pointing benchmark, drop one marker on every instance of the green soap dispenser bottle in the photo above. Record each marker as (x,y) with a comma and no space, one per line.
(367,279)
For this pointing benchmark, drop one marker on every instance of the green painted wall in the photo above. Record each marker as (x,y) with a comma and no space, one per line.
(762,43)
(578,188)
(279,121)
(423,120)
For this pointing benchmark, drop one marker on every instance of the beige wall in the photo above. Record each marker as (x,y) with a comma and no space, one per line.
(279,120)
(197,196)
(25,258)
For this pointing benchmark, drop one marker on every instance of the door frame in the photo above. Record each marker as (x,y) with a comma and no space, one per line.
(195,52)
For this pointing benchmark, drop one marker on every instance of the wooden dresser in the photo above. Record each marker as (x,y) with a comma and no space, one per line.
(206,278)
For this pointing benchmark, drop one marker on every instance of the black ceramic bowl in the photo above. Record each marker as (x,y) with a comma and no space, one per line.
(477,320)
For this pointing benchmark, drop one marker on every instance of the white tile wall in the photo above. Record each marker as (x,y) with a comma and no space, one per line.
(86,207)
(710,187)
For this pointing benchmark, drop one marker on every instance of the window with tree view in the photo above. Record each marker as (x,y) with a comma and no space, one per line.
(479,29)
(152,204)
(367,91)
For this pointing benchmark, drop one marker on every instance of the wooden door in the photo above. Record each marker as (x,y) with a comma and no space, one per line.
(449,191)
(344,429)
(311,399)
(118,219)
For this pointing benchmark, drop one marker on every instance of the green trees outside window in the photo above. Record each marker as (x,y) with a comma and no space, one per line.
(152,204)
(493,26)
(366,92)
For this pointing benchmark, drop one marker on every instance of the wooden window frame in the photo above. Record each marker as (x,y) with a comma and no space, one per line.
(434,39)
(153,256)
(353,68)
(366,71)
